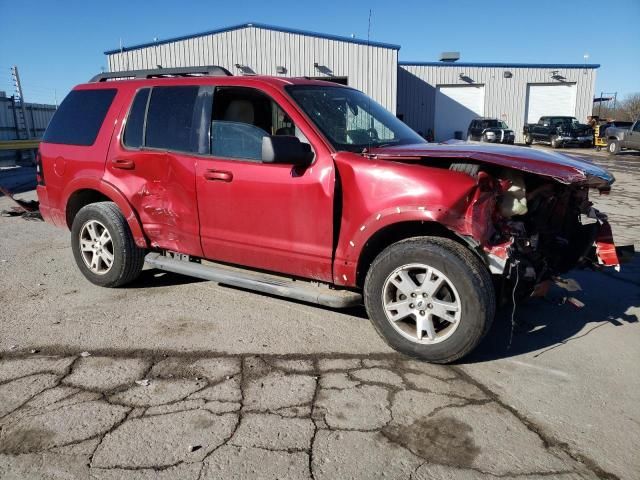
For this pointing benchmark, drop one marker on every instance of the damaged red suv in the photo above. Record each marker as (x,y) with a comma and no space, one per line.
(312,191)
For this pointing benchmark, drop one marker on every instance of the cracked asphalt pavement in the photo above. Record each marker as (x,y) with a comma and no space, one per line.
(178,378)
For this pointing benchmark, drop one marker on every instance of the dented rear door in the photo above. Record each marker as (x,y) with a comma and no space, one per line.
(153,160)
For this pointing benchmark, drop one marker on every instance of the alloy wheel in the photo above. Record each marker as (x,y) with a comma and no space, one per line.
(96,247)
(421,303)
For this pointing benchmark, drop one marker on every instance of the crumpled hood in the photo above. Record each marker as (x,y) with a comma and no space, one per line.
(563,168)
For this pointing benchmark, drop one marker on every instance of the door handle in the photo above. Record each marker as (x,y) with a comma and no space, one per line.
(219,175)
(123,164)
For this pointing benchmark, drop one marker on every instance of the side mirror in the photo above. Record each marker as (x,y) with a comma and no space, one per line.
(286,149)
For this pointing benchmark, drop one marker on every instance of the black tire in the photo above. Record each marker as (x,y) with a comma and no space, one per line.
(470,277)
(528,139)
(554,142)
(470,169)
(613,147)
(128,258)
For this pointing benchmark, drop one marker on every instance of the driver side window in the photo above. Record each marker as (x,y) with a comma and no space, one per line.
(241,118)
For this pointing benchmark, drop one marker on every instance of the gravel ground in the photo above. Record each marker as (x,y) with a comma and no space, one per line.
(178,378)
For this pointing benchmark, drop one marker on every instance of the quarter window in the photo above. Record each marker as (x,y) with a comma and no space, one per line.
(79,117)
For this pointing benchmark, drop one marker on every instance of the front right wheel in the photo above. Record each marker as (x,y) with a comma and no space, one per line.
(430,298)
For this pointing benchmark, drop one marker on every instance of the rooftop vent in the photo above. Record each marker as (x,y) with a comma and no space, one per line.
(449,56)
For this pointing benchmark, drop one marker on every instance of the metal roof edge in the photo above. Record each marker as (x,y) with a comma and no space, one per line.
(263,26)
(499,65)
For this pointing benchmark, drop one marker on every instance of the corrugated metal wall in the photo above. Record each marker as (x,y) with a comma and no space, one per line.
(505,98)
(263,50)
(38,117)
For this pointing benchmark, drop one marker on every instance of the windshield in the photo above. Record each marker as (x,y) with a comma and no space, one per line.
(494,124)
(350,120)
(564,121)
(622,124)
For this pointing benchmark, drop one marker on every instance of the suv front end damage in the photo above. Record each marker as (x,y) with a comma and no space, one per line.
(530,214)
(540,228)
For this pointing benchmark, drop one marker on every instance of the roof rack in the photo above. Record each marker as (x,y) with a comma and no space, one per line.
(210,70)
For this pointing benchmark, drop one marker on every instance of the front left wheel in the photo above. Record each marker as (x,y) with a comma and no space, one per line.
(430,298)
(103,246)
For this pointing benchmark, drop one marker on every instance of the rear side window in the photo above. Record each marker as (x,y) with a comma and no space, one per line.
(79,117)
(170,118)
(134,131)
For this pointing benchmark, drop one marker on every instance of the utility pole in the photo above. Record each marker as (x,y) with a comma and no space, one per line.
(18,87)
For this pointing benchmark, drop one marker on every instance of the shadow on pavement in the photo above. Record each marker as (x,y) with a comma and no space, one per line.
(545,324)
(153,278)
(539,324)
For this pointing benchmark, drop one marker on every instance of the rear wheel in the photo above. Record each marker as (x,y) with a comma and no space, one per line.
(430,298)
(614,147)
(528,139)
(103,246)
(555,143)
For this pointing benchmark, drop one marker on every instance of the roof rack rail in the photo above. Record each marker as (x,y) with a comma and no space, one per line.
(209,70)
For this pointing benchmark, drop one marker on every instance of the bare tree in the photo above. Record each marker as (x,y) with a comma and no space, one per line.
(627,109)
(631,106)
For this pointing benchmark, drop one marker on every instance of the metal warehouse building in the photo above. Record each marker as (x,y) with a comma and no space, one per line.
(434,98)
(254,48)
(445,97)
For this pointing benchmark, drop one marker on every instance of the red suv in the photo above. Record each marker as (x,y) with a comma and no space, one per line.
(313,191)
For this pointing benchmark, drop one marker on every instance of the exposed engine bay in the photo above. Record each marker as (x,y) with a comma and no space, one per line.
(541,228)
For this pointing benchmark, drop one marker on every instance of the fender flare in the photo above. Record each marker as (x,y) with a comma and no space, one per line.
(346,264)
(116,196)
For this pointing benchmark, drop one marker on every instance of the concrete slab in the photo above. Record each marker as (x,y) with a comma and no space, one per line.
(164,440)
(358,408)
(106,373)
(241,463)
(273,432)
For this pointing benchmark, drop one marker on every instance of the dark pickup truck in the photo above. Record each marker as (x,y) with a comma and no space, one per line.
(490,130)
(559,132)
(620,137)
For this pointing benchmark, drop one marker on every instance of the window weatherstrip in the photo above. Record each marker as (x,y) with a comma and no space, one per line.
(144,122)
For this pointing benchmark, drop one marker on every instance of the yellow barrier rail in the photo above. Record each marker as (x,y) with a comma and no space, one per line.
(19,144)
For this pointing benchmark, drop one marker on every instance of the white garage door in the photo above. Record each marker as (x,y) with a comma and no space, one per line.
(455,108)
(546,100)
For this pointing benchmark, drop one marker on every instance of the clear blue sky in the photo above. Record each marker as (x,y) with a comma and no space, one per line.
(59,44)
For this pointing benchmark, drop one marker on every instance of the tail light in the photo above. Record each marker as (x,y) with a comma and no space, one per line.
(39,169)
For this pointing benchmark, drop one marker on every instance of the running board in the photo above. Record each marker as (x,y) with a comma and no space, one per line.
(265,283)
